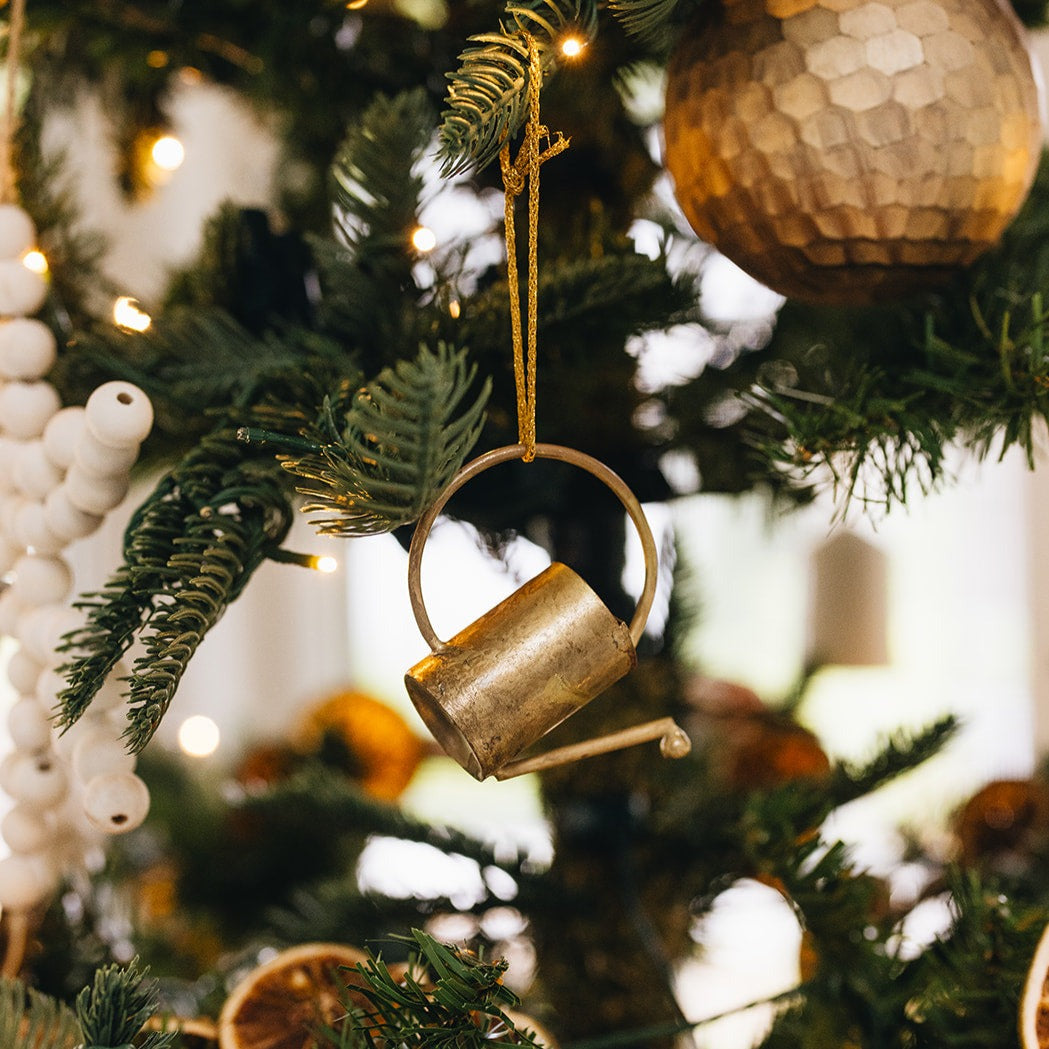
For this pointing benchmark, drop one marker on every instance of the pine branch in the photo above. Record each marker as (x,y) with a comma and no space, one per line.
(113,1010)
(586,304)
(396,447)
(850,992)
(871,440)
(189,551)
(651,21)
(30,1020)
(323,911)
(964,990)
(584,291)
(900,753)
(487,101)
(872,398)
(376,180)
(371,298)
(212,560)
(773,822)
(201,359)
(115,614)
(333,802)
(462,1005)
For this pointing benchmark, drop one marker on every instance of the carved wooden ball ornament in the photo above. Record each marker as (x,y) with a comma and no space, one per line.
(846,151)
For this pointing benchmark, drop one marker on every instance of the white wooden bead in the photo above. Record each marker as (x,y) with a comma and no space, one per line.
(25,881)
(41,580)
(22,291)
(34,473)
(28,725)
(9,507)
(63,432)
(116,802)
(76,841)
(64,739)
(8,454)
(32,625)
(104,460)
(67,520)
(10,610)
(39,780)
(48,685)
(23,671)
(8,766)
(10,551)
(98,753)
(32,530)
(26,830)
(40,629)
(119,414)
(27,407)
(49,635)
(17,232)
(111,696)
(94,495)
(27,348)
(13,450)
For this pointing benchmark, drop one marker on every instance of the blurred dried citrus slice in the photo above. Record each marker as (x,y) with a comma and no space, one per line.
(1034,1006)
(283,1003)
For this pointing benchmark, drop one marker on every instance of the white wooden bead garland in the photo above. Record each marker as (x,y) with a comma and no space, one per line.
(62,470)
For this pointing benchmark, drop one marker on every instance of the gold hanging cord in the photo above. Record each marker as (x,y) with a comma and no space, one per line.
(16,21)
(515,173)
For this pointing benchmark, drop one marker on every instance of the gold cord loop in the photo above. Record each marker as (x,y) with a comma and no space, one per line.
(515,174)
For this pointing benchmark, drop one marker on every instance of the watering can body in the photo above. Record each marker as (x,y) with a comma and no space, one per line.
(522,668)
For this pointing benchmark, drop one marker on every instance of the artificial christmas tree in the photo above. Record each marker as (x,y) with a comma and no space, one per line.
(324,356)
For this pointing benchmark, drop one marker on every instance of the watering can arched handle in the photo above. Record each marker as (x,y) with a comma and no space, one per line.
(506,454)
(542,451)
(674,743)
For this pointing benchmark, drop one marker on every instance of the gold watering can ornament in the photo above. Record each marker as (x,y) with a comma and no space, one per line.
(506,680)
(534,659)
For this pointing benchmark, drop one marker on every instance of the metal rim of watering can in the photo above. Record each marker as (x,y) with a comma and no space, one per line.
(508,453)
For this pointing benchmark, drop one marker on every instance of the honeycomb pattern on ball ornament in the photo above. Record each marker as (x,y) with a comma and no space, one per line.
(845,151)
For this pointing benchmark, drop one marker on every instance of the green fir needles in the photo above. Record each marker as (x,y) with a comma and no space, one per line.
(403,437)
(376,182)
(30,1020)
(487,101)
(460,1002)
(649,20)
(113,1010)
(189,551)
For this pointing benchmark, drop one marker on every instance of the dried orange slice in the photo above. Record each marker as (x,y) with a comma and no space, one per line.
(1034,1005)
(282,1003)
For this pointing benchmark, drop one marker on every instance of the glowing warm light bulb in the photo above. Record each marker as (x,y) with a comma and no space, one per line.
(34,260)
(198,736)
(325,564)
(355,5)
(127,314)
(454,309)
(168,153)
(572,46)
(423,239)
